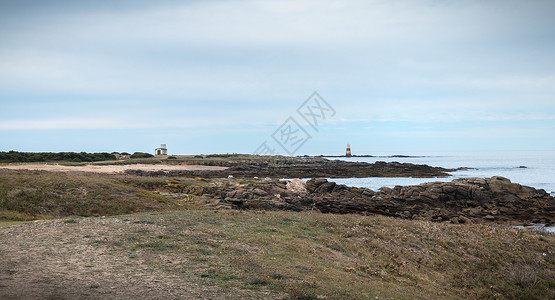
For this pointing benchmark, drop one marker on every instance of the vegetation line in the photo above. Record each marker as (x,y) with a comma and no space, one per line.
(15,156)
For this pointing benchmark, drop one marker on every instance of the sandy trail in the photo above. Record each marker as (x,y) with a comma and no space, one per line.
(113,169)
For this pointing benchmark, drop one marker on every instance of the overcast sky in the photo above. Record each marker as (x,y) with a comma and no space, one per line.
(403,77)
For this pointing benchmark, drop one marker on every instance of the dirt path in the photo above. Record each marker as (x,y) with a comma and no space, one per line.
(113,169)
(66,260)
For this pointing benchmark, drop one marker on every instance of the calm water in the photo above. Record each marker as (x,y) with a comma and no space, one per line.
(539,171)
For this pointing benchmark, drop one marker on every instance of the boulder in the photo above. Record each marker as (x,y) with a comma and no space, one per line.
(314,183)
(460,201)
(259,192)
(297,186)
(326,187)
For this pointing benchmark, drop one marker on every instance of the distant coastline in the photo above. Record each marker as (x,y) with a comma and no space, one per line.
(368,155)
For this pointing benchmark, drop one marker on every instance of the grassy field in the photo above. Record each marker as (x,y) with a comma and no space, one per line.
(303,255)
(349,256)
(254,254)
(27,195)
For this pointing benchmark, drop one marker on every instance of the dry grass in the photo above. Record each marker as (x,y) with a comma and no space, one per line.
(28,195)
(261,254)
(308,255)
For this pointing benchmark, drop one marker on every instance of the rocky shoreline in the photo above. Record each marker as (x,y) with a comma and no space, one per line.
(253,182)
(469,200)
(286,167)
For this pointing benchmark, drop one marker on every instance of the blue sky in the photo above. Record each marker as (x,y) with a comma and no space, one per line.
(404,77)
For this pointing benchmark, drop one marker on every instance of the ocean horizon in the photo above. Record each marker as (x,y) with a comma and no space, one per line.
(531,168)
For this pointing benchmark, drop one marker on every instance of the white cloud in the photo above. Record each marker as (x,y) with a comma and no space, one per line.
(412,61)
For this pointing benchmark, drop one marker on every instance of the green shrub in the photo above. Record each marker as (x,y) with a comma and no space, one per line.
(14,156)
(141,155)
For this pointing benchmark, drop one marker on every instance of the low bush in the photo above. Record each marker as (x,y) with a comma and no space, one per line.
(141,155)
(14,156)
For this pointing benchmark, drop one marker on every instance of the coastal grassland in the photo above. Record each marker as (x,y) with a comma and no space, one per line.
(351,256)
(305,255)
(27,195)
(157,239)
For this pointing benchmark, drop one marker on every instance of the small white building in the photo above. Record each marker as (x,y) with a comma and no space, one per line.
(161,151)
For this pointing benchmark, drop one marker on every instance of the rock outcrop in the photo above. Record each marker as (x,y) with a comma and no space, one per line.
(494,199)
(458,201)
(288,167)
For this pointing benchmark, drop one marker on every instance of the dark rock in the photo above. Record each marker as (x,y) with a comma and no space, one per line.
(259,192)
(368,193)
(288,167)
(314,183)
(460,201)
(326,187)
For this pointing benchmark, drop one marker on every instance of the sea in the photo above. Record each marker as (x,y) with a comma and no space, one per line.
(531,168)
